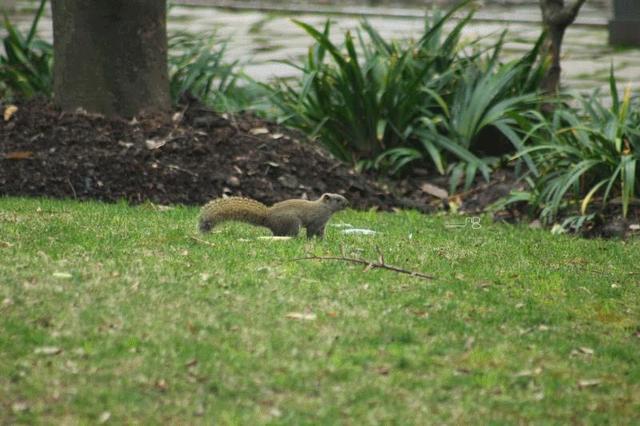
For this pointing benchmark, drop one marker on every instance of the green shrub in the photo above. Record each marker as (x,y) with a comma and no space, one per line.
(384,105)
(197,67)
(487,95)
(587,157)
(26,67)
(362,105)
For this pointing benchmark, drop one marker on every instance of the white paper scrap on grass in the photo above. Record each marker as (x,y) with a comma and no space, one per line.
(359,231)
(341,225)
(274,237)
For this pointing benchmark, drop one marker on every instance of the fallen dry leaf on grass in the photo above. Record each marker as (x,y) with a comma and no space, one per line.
(585,350)
(161,385)
(19,406)
(589,383)
(275,412)
(301,316)
(528,373)
(47,350)
(468,344)
(61,275)
(104,417)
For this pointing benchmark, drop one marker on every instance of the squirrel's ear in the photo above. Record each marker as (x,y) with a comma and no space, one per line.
(324,197)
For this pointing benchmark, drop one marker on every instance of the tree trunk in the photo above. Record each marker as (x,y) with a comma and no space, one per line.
(110,56)
(7,6)
(625,25)
(556,17)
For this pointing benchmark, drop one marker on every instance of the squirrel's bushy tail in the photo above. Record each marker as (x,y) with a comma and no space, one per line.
(233,208)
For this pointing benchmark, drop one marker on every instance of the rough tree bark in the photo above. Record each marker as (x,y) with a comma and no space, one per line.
(623,28)
(110,56)
(7,5)
(556,17)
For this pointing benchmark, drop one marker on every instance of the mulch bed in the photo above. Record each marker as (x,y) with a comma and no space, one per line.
(193,157)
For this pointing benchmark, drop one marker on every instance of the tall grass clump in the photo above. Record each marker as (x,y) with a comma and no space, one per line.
(488,106)
(361,103)
(587,157)
(387,104)
(197,67)
(26,66)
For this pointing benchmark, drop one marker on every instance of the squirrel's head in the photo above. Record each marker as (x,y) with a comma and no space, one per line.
(334,202)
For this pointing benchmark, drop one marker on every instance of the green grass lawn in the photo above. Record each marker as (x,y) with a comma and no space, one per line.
(111,313)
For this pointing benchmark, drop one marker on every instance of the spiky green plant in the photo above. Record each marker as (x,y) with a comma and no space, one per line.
(478,93)
(365,97)
(197,66)
(588,157)
(386,104)
(26,66)
(487,94)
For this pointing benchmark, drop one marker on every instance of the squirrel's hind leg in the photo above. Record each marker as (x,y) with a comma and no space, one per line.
(204,225)
(285,226)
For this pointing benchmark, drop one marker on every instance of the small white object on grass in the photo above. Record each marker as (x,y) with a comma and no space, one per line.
(61,275)
(274,237)
(304,316)
(359,231)
(341,225)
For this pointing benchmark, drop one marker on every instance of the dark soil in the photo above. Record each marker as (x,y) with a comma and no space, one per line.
(196,156)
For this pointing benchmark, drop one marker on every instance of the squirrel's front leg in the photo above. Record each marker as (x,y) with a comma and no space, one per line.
(315,230)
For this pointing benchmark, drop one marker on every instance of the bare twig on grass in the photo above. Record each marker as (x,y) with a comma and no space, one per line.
(380,264)
(202,241)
